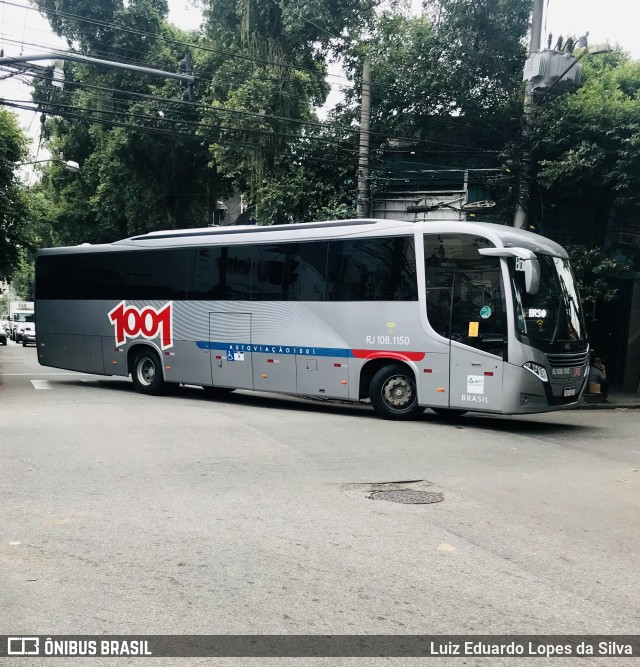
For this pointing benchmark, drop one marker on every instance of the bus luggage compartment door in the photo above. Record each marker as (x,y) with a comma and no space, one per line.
(231,360)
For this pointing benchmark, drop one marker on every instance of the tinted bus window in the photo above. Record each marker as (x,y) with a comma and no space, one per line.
(439,310)
(235,266)
(309,271)
(59,277)
(221,272)
(381,269)
(106,276)
(271,272)
(158,274)
(205,278)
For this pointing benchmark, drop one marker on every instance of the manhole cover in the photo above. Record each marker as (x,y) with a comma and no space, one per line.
(408,496)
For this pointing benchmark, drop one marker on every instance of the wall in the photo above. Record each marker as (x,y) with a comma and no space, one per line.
(632,373)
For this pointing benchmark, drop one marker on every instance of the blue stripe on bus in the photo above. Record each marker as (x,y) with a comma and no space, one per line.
(276,349)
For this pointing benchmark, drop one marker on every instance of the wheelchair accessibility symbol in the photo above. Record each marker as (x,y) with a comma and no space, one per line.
(230,355)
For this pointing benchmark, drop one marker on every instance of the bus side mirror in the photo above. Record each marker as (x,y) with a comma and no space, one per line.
(531,275)
(528,261)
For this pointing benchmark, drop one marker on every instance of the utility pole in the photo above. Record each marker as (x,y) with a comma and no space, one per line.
(363,155)
(524,181)
(186,67)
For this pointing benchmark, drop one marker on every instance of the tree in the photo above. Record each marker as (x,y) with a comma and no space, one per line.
(594,268)
(587,146)
(148,162)
(268,72)
(143,164)
(15,233)
(447,85)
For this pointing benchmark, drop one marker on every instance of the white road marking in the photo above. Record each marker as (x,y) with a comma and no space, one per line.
(53,373)
(41,384)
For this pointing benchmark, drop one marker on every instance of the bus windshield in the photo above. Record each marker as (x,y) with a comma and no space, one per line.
(554,314)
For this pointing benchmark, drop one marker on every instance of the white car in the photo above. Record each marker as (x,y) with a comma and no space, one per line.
(28,333)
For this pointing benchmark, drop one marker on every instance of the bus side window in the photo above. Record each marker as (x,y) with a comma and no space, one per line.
(205,278)
(308,271)
(439,280)
(106,276)
(375,269)
(59,277)
(439,310)
(236,272)
(158,274)
(271,272)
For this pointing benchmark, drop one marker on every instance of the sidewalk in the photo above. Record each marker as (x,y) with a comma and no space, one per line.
(618,398)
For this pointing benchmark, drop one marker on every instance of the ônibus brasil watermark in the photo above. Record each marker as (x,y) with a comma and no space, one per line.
(265,646)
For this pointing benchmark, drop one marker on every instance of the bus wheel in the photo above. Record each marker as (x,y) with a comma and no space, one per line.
(445,413)
(393,393)
(147,373)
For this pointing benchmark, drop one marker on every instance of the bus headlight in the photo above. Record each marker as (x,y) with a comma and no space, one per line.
(537,370)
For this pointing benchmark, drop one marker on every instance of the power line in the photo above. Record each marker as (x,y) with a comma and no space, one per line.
(222,141)
(168,40)
(50,105)
(428,144)
(54,107)
(199,78)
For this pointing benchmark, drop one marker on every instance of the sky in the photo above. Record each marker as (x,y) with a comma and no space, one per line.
(25,31)
(615,21)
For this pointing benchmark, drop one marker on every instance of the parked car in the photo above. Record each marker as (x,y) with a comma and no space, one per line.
(3,336)
(28,334)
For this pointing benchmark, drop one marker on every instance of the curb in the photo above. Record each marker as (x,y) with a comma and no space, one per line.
(608,406)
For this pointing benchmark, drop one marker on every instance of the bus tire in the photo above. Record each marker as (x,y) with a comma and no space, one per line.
(446,413)
(393,393)
(147,373)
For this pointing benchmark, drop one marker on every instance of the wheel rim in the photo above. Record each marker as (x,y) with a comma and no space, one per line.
(398,392)
(146,371)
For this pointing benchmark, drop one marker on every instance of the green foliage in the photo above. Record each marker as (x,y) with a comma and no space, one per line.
(143,166)
(588,143)
(594,268)
(481,50)
(449,81)
(15,235)
(268,140)
(149,164)
(447,85)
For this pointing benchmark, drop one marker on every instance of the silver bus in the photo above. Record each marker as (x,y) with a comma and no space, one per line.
(453,316)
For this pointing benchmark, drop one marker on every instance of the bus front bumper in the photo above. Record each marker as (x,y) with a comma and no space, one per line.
(525,393)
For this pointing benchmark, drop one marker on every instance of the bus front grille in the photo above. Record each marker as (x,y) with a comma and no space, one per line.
(567,360)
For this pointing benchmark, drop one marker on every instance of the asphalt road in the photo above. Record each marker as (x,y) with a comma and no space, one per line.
(182,514)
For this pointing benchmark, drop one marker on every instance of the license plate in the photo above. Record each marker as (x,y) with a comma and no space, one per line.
(566,372)
(569,391)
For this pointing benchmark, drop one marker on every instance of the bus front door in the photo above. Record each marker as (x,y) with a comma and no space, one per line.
(478,341)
